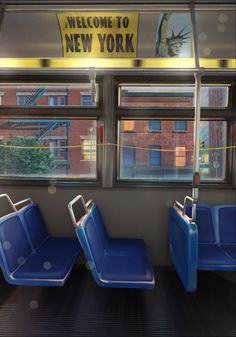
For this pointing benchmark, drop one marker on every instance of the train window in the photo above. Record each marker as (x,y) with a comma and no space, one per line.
(168,155)
(47,95)
(46,148)
(178,96)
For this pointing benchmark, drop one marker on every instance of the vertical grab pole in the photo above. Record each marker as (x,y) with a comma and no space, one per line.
(197,117)
(197,113)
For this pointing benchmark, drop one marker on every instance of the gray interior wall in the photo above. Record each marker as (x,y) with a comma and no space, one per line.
(128,212)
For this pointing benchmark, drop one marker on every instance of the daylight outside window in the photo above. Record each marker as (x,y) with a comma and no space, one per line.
(168,155)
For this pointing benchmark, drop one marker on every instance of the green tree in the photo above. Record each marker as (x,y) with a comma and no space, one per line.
(27,161)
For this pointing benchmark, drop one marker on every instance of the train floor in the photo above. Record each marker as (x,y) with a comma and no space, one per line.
(83,309)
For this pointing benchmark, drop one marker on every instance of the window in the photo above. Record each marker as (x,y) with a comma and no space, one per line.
(57,100)
(154,125)
(45,148)
(166,96)
(86,100)
(180,156)
(128,126)
(180,126)
(48,95)
(168,156)
(24,100)
(154,156)
(89,150)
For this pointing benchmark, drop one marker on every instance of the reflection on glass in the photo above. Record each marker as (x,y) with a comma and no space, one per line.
(153,96)
(47,95)
(143,153)
(174,35)
(48,148)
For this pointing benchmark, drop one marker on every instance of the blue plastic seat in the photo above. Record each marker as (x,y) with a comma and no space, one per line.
(207,244)
(38,235)
(38,262)
(113,262)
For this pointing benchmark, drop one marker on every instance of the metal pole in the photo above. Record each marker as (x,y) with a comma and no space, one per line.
(197,117)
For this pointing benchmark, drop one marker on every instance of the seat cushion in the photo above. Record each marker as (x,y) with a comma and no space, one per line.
(68,246)
(127,269)
(126,247)
(231,250)
(213,255)
(45,267)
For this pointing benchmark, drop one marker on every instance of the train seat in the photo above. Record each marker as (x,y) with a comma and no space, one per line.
(22,265)
(207,244)
(39,238)
(113,262)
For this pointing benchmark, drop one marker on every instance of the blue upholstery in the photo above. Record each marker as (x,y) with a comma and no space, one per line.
(112,267)
(210,247)
(39,238)
(22,262)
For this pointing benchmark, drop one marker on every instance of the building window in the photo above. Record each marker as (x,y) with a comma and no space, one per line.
(89,150)
(128,157)
(128,126)
(180,156)
(57,100)
(154,156)
(24,100)
(86,100)
(155,125)
(180,126)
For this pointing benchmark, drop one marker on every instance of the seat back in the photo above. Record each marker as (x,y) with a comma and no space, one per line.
(226,218)
(99,223)
(34,224)
(14,244)
(92,238)
(204,222)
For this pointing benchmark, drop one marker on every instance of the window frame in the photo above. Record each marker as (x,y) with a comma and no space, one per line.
(225,114)
(50,113)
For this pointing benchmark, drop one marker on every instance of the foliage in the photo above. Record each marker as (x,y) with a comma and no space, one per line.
(28,161)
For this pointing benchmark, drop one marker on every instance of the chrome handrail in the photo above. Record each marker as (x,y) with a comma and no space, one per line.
(28,200)
(4,195)
(71,211)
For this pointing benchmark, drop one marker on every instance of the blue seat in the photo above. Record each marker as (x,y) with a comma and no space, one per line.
(207,244)
(113,262)
(39,238)
(23,262)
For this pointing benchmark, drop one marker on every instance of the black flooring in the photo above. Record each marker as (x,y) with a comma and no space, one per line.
(81,308)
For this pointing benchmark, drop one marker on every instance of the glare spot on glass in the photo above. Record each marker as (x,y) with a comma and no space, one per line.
(202,36)
(52,189)
(216,164)
(47,265)
(223,18)
(207,51)
(7,245)
(34,304)
(221,28)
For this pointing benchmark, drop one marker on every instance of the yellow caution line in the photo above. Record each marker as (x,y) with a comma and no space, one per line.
(111,144)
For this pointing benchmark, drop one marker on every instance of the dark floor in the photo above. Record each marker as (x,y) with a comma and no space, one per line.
(81,308)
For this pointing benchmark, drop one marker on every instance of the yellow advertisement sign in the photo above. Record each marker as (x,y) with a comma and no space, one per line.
(90,34)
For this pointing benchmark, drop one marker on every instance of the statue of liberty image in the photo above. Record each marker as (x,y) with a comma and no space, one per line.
(170,46)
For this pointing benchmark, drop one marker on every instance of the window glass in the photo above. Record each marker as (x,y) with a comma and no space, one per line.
(216,34)
(168,155)
(154,125)
(48,148)
(154,96)
(180,126)
(47,95)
